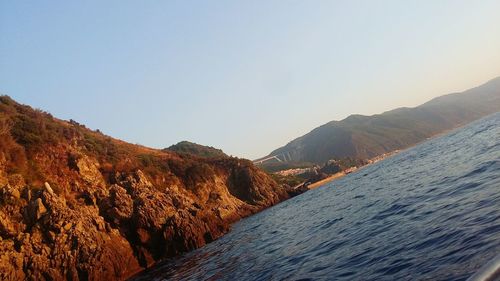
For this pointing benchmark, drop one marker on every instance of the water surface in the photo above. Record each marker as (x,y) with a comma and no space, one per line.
(430,212)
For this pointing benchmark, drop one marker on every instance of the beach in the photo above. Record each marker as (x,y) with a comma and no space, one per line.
(328,179)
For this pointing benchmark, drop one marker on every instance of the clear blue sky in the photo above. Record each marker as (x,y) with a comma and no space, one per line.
(245,76)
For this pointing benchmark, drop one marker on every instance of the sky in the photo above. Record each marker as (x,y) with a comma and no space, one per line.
(243,76)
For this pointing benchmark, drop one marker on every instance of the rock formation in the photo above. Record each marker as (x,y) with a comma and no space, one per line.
(78,205)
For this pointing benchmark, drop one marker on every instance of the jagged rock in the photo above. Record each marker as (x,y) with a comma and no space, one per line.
(78,244)
(132,219)
(6,227)
(11,262)
(151,210)
(135,182)
(38,209)
(11,191)
(88,169)
(294,191)
(117,208)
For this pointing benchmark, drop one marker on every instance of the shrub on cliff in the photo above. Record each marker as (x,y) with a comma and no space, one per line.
(110,206)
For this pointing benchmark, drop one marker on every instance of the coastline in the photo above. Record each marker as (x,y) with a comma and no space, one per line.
(343,173)
(327,180)
(312,186)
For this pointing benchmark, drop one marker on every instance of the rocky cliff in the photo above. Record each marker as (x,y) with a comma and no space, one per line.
(78,205)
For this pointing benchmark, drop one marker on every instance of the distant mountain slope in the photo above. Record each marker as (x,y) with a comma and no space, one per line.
(364,137)
(186,147)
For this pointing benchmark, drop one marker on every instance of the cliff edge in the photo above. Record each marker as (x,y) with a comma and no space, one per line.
(76,204)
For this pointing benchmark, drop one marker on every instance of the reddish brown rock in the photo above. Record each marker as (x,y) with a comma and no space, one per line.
(78,205)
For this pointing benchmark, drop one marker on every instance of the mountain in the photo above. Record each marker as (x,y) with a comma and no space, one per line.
(194,149)
(364,137)
(76,204)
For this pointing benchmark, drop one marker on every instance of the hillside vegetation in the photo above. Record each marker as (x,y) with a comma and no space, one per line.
(364,137)
(76,204)
(194,149)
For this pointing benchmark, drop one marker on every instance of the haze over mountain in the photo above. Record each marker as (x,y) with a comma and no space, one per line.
(363,137)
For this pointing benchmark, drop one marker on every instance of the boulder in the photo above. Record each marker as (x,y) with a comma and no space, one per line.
(119,206)
(88,168)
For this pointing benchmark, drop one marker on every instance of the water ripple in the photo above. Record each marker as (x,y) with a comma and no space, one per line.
(429,213)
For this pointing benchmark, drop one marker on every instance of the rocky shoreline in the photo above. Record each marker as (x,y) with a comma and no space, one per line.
(118,230)
(78,205)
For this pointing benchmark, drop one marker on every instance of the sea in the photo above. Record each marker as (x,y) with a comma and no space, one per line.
(431,212)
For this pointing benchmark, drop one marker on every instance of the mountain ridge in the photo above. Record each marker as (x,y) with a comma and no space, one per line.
(361,136)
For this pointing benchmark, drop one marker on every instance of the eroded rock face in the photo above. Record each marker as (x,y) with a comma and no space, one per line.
(78,205)
(7,229)
(112,232)
(87,167)
(118,206)
(59,243)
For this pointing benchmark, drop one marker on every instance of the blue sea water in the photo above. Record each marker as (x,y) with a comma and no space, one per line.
(431,212)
